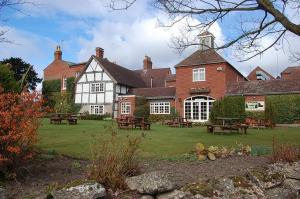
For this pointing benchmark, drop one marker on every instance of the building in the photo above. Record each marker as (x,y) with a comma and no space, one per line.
(104,87)
(291,73)
(259,74)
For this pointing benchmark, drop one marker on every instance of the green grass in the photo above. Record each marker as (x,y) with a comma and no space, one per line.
(160,142)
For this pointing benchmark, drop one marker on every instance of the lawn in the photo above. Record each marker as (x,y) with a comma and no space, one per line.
(160,142)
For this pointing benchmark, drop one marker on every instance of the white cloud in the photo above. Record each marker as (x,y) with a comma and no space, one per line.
(28,46)
(128,43)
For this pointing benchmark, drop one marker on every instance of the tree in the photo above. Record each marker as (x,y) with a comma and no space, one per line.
(21,69)
(7,80)
(254,20)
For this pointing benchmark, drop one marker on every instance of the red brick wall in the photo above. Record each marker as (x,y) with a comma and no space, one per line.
(132,100)
(232,75)
(59,69)
(254,98)
(215,81)
(171,83)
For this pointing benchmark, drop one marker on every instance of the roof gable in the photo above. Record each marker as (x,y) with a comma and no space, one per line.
(253,74)
(120,74)
(202,57)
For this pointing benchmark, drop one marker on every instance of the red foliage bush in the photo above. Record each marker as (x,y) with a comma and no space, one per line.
(19,123)
(284,152)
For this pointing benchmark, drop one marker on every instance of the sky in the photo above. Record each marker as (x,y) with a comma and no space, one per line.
(79,26)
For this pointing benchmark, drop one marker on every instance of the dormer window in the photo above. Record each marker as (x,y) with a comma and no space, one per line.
(198,74)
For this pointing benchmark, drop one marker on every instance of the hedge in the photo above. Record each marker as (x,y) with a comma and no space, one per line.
(286,107)
(142,108)
(50,86)
(162,117)
(95,117)
(229,106)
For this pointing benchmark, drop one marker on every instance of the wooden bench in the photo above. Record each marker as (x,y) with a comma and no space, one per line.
(227,124)
(72,119)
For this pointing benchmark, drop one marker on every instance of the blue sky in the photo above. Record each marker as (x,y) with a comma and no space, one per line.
(80,26)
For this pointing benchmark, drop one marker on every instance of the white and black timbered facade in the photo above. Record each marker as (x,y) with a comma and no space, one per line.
(97,90)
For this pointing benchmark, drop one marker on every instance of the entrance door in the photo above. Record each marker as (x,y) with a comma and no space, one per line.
(197,108)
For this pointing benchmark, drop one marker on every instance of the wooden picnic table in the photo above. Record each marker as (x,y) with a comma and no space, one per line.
(133,123)
(57,118)
(228,124)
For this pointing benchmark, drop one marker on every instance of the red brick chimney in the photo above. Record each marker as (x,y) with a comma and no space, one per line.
(99,52)
(147,63)
(58,53)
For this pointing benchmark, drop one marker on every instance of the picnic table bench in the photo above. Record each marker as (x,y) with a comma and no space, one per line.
(133,123)
(57,118)
(227,124)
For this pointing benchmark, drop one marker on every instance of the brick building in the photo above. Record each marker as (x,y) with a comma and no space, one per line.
(104,87)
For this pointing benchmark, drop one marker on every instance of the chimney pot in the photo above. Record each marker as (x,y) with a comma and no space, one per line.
(99,52)
(58,53)
(147,63)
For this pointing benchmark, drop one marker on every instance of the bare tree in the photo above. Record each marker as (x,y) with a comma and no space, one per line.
(253,20)
(8,4)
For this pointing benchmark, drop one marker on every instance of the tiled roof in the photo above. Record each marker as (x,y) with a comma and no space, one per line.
(120,74)
(202,57)
(292,72)
(252,74)
(291,69)
(163,92)
(267,87)
(158,76)
(171,77)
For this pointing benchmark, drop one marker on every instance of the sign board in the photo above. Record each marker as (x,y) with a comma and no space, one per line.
(255,106)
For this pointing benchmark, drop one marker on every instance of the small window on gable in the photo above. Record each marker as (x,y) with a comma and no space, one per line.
(77,74)
(199,74)
(97,87)
(64,83)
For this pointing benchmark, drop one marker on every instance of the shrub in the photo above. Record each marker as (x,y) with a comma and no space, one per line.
(284,152)
(286,108)
(18,128)
(142,108)
(114,158)
(162,117)
(229,106)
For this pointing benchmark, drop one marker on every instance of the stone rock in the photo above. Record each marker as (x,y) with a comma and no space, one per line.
(147,197)
(3,193)
(266,178)
(279,193)
(151,183)
(293,185)
(176,194)
(289,170)
(84,191)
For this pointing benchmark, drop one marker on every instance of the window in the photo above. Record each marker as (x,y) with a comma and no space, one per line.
(77,74)
(97,87)
(97,109)
(160,108)
(64,83)
(125,108)
(198,74)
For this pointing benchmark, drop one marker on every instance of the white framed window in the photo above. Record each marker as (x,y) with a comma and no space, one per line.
(97,87)
(125,108)
(97,109)
(198,74)
(64,83)
(77,74)
(160,108)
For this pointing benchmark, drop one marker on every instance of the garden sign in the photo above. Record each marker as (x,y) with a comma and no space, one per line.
(255,106)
